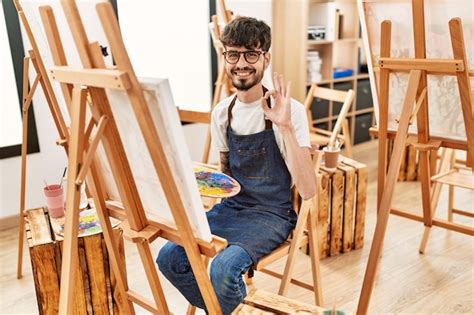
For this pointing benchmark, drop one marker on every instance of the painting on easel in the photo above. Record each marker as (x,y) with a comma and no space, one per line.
(164,114)
(445,114)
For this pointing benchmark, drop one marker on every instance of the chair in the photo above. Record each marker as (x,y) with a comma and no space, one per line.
(323,137)
(452,173)
(305,232)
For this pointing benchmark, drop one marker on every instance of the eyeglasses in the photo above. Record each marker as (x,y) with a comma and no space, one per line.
(251,56)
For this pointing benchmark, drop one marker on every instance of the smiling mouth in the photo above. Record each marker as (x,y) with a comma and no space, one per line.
(243,74)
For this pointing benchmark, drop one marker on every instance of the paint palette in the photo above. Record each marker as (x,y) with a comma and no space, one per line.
(212,183)
(88,223)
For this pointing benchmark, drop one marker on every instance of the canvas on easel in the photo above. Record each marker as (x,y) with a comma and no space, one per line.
(132,147)
(423,108)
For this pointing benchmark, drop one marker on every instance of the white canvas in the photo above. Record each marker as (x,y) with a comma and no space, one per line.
(445,114)
(165,117)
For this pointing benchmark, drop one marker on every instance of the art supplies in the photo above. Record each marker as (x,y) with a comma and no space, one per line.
(88,223)
(331,157)
(54,200)
(64,173)
(212,183)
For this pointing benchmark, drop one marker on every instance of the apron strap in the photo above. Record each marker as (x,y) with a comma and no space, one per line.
(268,122)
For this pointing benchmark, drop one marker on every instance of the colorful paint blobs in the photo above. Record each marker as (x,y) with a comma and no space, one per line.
(88,224)
(212,183)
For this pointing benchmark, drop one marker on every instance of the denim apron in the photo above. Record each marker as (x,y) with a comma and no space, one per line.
(261,216)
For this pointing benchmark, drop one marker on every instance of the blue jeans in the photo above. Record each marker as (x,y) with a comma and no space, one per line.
(226,272)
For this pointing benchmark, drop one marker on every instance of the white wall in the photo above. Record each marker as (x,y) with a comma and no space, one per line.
(170,38)
(159,36)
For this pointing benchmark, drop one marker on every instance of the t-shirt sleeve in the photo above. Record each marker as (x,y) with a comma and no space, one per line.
(218,128)
(300,124)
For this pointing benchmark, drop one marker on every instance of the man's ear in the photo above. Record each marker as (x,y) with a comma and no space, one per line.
(268,59)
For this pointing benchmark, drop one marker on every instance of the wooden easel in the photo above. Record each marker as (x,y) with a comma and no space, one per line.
(416,93)
(222,80)
(41,76)
(91,82)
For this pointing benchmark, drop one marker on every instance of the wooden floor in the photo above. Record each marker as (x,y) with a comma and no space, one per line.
(439,282)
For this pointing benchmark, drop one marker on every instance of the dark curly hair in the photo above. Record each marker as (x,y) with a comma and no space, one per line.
(247,32)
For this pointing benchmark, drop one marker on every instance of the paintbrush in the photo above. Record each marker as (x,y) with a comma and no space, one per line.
(45,184)
(61,182)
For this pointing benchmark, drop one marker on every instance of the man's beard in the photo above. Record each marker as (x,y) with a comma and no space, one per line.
(245,85)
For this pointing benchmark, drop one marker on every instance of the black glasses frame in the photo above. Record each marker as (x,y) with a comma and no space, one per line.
(225,53)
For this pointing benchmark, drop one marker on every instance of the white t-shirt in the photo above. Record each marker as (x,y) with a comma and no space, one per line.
(248,118)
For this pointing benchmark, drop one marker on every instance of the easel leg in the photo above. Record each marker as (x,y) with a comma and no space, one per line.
(443,167)
(298,232)
(191,308)
(24,146)
(384,210)
(27,97)
(314,252)
(451,189)
(383,110)
(152,275)
(118,266)
(70,259)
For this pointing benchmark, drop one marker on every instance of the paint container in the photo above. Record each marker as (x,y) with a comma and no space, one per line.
(331,158)
(54,200)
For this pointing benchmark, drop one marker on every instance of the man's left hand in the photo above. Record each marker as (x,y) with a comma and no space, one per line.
(280,113)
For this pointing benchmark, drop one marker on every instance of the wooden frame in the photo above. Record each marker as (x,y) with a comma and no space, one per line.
(87,90)
(418,69)
(41,76)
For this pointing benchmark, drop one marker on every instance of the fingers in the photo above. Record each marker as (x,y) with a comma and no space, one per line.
(270,93)
(276,82)
(288,90)
(280,85)
(264,104)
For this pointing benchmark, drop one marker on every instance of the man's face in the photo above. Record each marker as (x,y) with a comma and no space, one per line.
(249,69)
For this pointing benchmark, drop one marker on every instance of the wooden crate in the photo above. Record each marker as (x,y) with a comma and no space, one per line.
(342,205)
(259,302)
(95,291)
(409,166)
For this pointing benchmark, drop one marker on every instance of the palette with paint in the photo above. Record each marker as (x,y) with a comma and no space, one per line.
(88,223)
(212,183)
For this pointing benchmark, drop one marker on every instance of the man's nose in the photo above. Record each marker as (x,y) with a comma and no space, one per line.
(242,62)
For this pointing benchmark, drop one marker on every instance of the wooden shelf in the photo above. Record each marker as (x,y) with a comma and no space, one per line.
(291,43)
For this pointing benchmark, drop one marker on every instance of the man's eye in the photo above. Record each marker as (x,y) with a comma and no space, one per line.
(233,55)
(252,54)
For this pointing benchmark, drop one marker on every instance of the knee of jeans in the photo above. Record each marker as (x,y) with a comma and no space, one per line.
(226,273)
(172,259)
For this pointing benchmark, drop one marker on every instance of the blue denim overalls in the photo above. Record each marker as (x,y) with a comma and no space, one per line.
(261,216)
(254,222)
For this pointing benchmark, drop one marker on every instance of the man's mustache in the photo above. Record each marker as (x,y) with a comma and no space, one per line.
(243,69)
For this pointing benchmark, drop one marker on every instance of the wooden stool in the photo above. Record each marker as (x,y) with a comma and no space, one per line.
(261,302)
